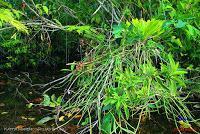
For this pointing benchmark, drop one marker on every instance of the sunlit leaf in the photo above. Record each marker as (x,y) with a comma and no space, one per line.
(61,118)
(30,105)
(46,10)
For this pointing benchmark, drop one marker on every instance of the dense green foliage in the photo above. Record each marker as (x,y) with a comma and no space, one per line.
(126,58)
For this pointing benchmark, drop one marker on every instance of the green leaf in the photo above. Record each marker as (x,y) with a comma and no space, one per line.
(38,6)
(46,10)
(52,104)
(46,101)
(118,106)
(7,16)
(179,72)
(6,4)
(107,123)
(44,120)
(117,30)
(85,122)
(30,105)
(126,110)
(59,100)
(176,41)
(53,98)
(107,107)
(180,24)
(192,32)
(72,67)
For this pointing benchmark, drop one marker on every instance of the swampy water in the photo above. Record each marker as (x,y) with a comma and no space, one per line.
(17,118)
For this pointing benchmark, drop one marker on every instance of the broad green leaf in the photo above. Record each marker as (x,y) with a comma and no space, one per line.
(53,98)
(106,107)
(46,101)
(107,123)
(117,30)
(192,32)
(44,120)
(59,100)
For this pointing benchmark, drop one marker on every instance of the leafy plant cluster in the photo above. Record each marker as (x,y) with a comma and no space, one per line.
(128,66)
(129,78)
